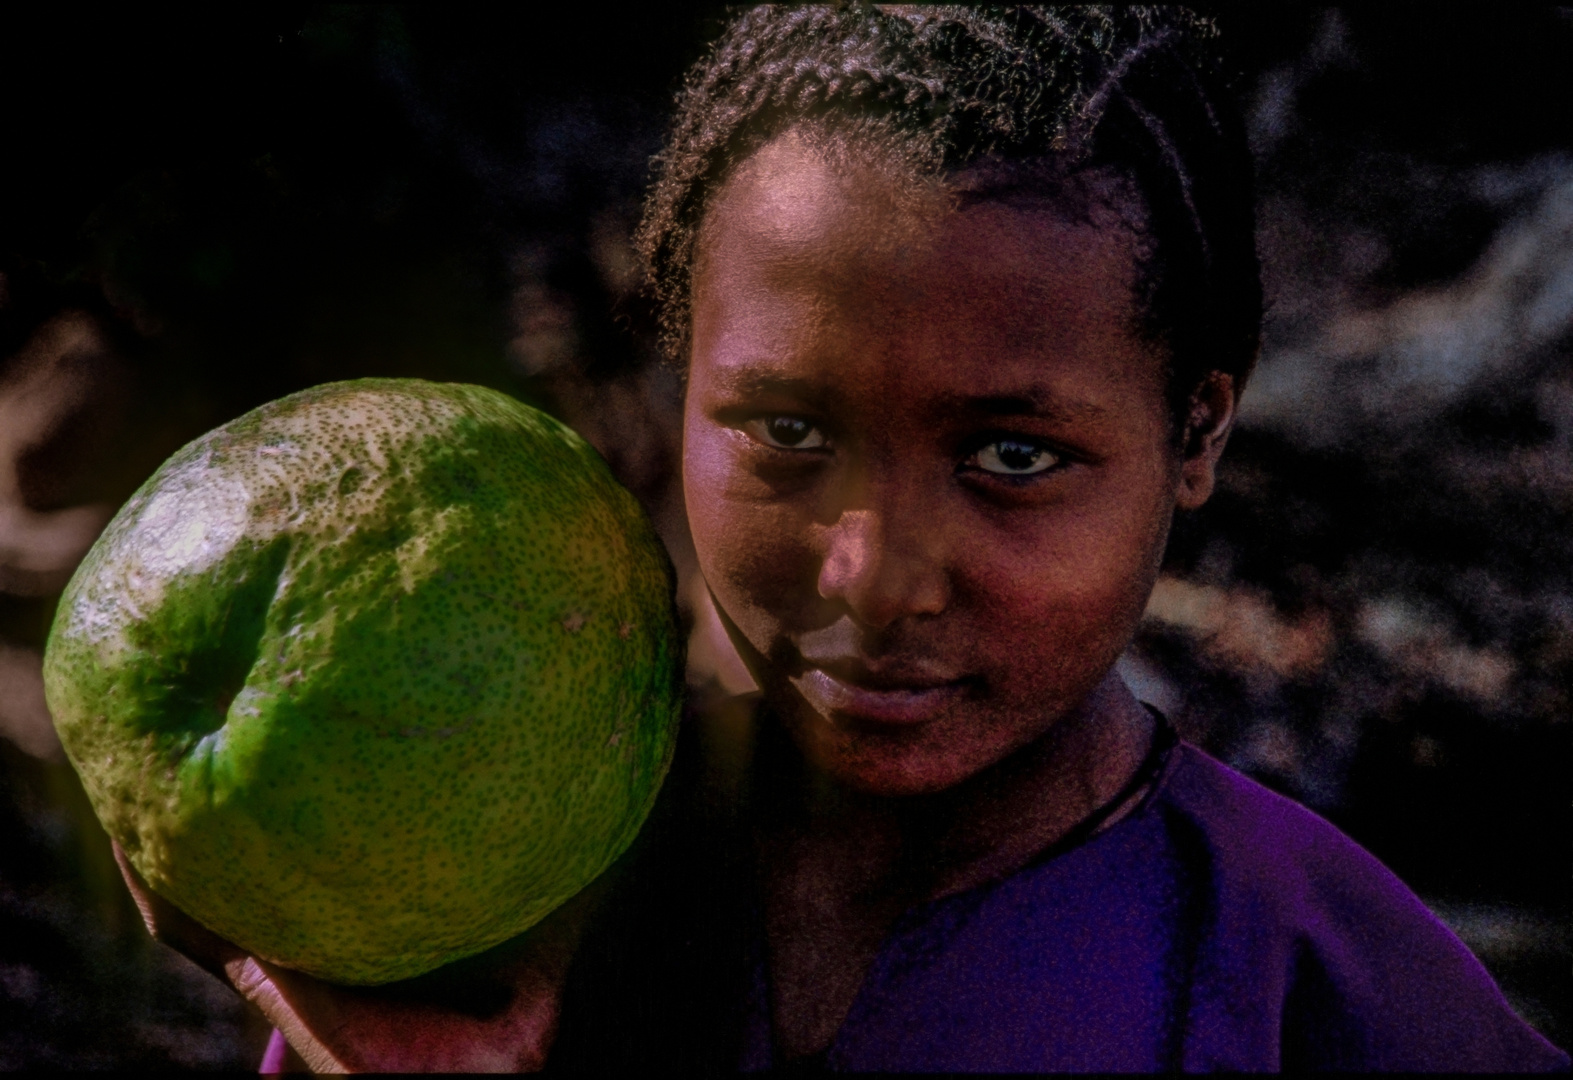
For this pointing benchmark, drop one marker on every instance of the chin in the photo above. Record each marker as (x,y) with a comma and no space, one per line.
(896,765)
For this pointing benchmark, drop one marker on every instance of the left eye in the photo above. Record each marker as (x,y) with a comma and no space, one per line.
(1013,457)
(786,432)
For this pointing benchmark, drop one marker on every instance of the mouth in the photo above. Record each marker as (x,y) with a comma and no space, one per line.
(859,700)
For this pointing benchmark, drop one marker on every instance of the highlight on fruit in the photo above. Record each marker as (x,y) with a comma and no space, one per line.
(372,678)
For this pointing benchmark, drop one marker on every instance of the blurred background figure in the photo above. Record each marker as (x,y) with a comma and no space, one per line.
(202,212)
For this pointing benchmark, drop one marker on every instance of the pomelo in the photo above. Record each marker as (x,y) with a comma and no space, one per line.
(373,677)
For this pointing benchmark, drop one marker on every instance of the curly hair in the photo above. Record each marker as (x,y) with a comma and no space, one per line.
(1139,91)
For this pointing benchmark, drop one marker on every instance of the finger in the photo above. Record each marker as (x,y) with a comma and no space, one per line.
(305,1011)
(140,893)
(496,1012)
(286,998)
(337,1029)
(173,927)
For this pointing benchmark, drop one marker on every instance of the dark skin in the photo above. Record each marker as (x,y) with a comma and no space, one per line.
(930,470)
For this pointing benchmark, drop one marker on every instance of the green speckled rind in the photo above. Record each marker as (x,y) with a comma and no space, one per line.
(373,677)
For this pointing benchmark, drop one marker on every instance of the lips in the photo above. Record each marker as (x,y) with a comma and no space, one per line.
(880,700)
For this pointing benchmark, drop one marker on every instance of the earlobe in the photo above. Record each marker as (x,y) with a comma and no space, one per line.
(1207,427)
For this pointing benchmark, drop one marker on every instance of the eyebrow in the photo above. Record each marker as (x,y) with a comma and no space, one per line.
(1035,401)
(1038,401)
(751,382)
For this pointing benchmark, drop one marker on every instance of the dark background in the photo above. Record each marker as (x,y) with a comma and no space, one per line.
(201,210)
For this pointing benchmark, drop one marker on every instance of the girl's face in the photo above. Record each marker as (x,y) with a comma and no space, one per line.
(927,461)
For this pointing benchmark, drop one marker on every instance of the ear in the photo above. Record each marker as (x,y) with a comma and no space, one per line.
(1207,427)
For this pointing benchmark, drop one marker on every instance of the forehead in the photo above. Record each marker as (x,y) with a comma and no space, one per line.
(806,261)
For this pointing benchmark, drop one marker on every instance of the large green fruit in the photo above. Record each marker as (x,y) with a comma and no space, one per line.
(373,677)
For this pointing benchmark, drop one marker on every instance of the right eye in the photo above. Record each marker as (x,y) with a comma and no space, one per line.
(785,432)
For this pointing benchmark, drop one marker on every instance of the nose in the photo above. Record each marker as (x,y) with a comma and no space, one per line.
(884,564)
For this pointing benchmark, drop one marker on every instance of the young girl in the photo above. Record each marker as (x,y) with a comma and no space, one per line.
(966,300)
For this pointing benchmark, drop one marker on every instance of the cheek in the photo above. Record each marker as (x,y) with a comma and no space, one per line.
(705,471)
(752,551)
(1063,591)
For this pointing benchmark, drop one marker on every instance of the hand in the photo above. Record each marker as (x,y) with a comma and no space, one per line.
(496,1012)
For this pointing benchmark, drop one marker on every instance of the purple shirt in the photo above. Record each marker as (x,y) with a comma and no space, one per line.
(1220,926)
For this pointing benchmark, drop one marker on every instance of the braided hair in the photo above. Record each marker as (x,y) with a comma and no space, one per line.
(1043,92)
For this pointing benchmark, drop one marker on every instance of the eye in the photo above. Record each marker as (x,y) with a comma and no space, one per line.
(785,432)
(1013,457)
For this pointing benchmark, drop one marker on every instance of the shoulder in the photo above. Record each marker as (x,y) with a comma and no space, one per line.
(1306,940)
(1272,850)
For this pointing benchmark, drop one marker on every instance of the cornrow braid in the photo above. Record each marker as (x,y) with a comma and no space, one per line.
(1138,91)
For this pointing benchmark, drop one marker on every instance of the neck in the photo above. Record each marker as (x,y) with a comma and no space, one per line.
(928,846)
